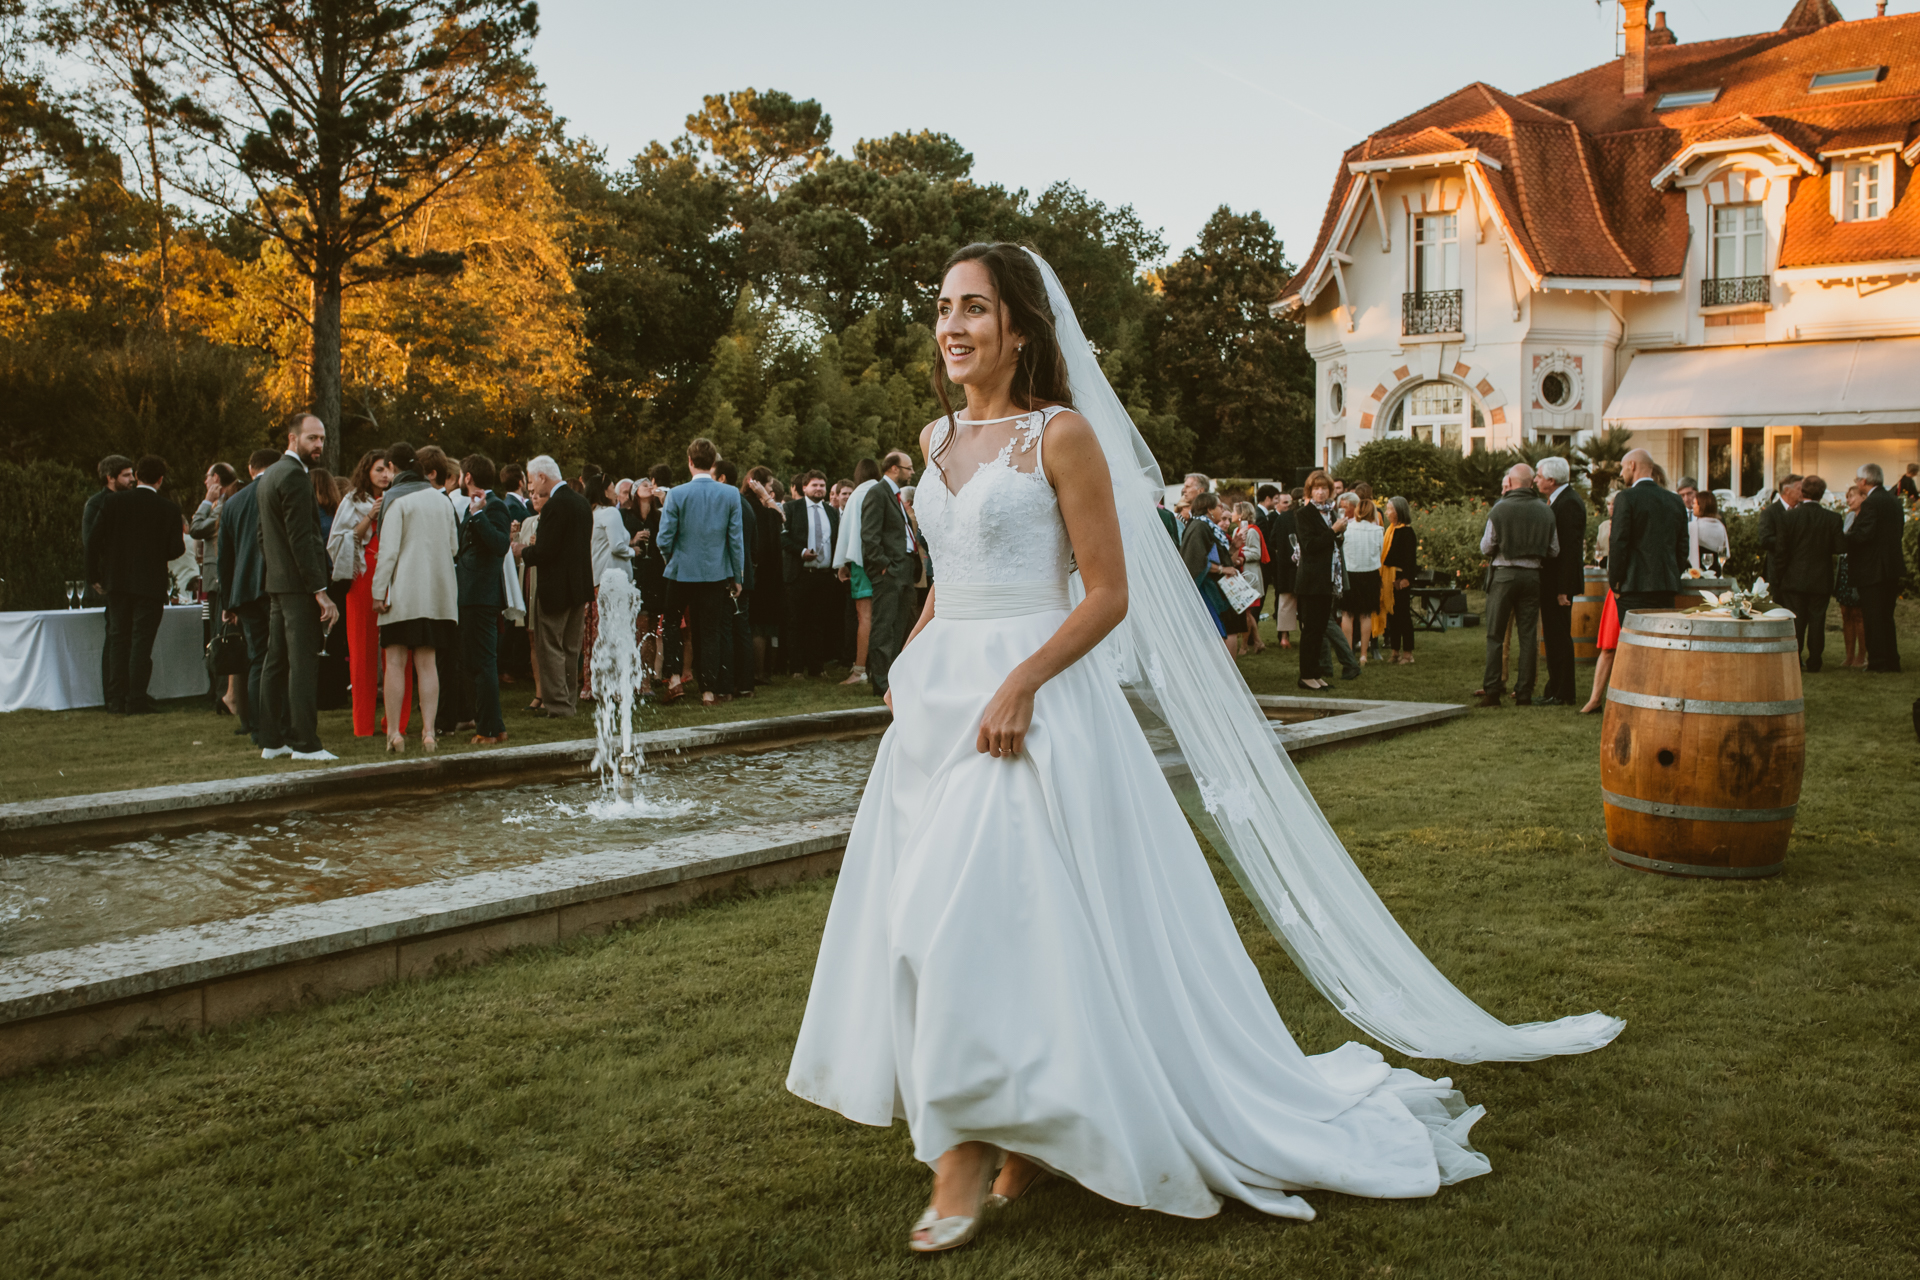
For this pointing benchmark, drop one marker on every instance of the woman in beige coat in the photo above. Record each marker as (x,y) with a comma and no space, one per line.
(417,597)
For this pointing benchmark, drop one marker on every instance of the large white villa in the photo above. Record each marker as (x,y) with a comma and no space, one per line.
(1715,245)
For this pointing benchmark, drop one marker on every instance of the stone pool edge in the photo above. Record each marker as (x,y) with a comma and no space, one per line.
(190,803)
(59,1005)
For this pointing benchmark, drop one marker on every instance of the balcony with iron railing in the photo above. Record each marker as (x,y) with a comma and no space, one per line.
(1434,311)
(1734,291)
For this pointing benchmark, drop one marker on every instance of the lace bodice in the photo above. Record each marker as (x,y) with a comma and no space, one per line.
(987,511)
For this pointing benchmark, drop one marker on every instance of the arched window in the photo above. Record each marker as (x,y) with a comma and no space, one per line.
(1439,413)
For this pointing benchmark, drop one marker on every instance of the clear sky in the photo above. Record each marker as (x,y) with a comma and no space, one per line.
(1175,107)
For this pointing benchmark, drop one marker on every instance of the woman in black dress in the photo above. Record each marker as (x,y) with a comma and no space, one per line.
(649,574)
(1401,558)
(768,605)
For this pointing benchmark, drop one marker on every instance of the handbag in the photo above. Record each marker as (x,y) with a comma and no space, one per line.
(1239,592)
(227,651)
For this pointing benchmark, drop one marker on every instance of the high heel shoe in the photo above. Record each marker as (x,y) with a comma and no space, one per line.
(396,744)
(995,1200)
(951,1233)
(429,745)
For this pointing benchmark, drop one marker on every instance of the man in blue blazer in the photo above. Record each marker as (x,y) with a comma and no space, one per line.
(703,539)
(243,580)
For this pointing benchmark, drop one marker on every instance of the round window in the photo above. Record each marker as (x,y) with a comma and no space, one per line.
(1556,389)
(1337,399)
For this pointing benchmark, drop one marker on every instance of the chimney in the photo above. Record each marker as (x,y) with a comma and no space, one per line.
(1661,34)
(1636,59)
(1879,8)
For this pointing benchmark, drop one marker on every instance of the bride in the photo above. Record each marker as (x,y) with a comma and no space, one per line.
(1027,957)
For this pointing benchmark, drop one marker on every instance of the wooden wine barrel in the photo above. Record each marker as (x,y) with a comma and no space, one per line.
(1586,618)
(1703,744)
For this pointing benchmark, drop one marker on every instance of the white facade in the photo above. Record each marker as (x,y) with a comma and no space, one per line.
(1540,358)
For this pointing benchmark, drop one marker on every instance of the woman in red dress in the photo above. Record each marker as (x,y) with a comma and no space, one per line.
(354,547)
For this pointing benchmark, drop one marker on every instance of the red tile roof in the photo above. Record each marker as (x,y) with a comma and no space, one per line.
(1577,157)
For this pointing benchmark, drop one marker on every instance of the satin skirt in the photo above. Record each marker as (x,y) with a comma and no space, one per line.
(1032,952)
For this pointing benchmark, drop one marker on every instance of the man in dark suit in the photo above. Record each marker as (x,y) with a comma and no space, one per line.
(1280,569)
(486,533)
(512,486)
(739,620)
(116,476)
(243,581)
(813,599)
(891,559)
(1563,576)
(1778,505)
(298,606)
(1648,541)
(138,533)
(1874,565)
(1806,541)
(562,549)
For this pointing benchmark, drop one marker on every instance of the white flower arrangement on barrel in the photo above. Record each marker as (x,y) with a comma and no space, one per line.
(1756,601)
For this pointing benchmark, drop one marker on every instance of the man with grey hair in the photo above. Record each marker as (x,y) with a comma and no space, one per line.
(1194,485)
(1562,577)
(562,549)
(1519,539)
(1874,565)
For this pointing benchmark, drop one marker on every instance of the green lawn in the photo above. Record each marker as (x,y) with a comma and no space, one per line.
(614,1106)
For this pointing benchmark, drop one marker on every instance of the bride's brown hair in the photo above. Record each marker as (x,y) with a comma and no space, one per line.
(1040,369)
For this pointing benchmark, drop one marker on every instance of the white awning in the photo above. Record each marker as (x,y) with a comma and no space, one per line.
(1870,382)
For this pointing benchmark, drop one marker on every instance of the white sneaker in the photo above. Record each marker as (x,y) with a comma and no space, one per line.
(315,755)
(274,753)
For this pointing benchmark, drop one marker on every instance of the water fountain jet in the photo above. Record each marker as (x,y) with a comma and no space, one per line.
(616,683)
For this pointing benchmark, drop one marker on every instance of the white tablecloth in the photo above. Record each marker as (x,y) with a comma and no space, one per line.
(50,660)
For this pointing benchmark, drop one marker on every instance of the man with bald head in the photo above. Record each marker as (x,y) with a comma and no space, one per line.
(1520,538)
(1647,546)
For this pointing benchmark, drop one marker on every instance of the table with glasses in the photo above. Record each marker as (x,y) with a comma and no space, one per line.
(50,658)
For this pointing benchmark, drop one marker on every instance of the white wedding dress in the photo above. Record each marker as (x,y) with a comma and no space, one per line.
(1032,951)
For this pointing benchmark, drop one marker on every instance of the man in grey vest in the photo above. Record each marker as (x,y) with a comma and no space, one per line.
(288,720)
(1520,537)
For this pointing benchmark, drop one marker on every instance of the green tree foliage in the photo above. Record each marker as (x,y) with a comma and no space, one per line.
(762,141)
(1239,379)
(41,551)
(342,120)
(1604,453)
(1449,535)
(187,399)
(1421,472)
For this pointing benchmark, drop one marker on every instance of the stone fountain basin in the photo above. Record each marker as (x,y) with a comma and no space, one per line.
(55,1004)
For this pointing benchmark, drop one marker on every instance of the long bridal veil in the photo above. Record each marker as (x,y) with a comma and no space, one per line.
(1247,798)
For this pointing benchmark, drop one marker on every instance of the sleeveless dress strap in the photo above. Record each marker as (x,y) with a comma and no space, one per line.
(1040,442)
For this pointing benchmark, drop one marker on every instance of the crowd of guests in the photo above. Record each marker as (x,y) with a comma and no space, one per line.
(1337,566)
(1340,568)
(428,565)
(401,585)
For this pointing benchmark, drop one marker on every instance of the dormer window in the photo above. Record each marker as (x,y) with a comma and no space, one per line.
(1739,242)
(1827,81)
(1686,98)
(1862,199)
